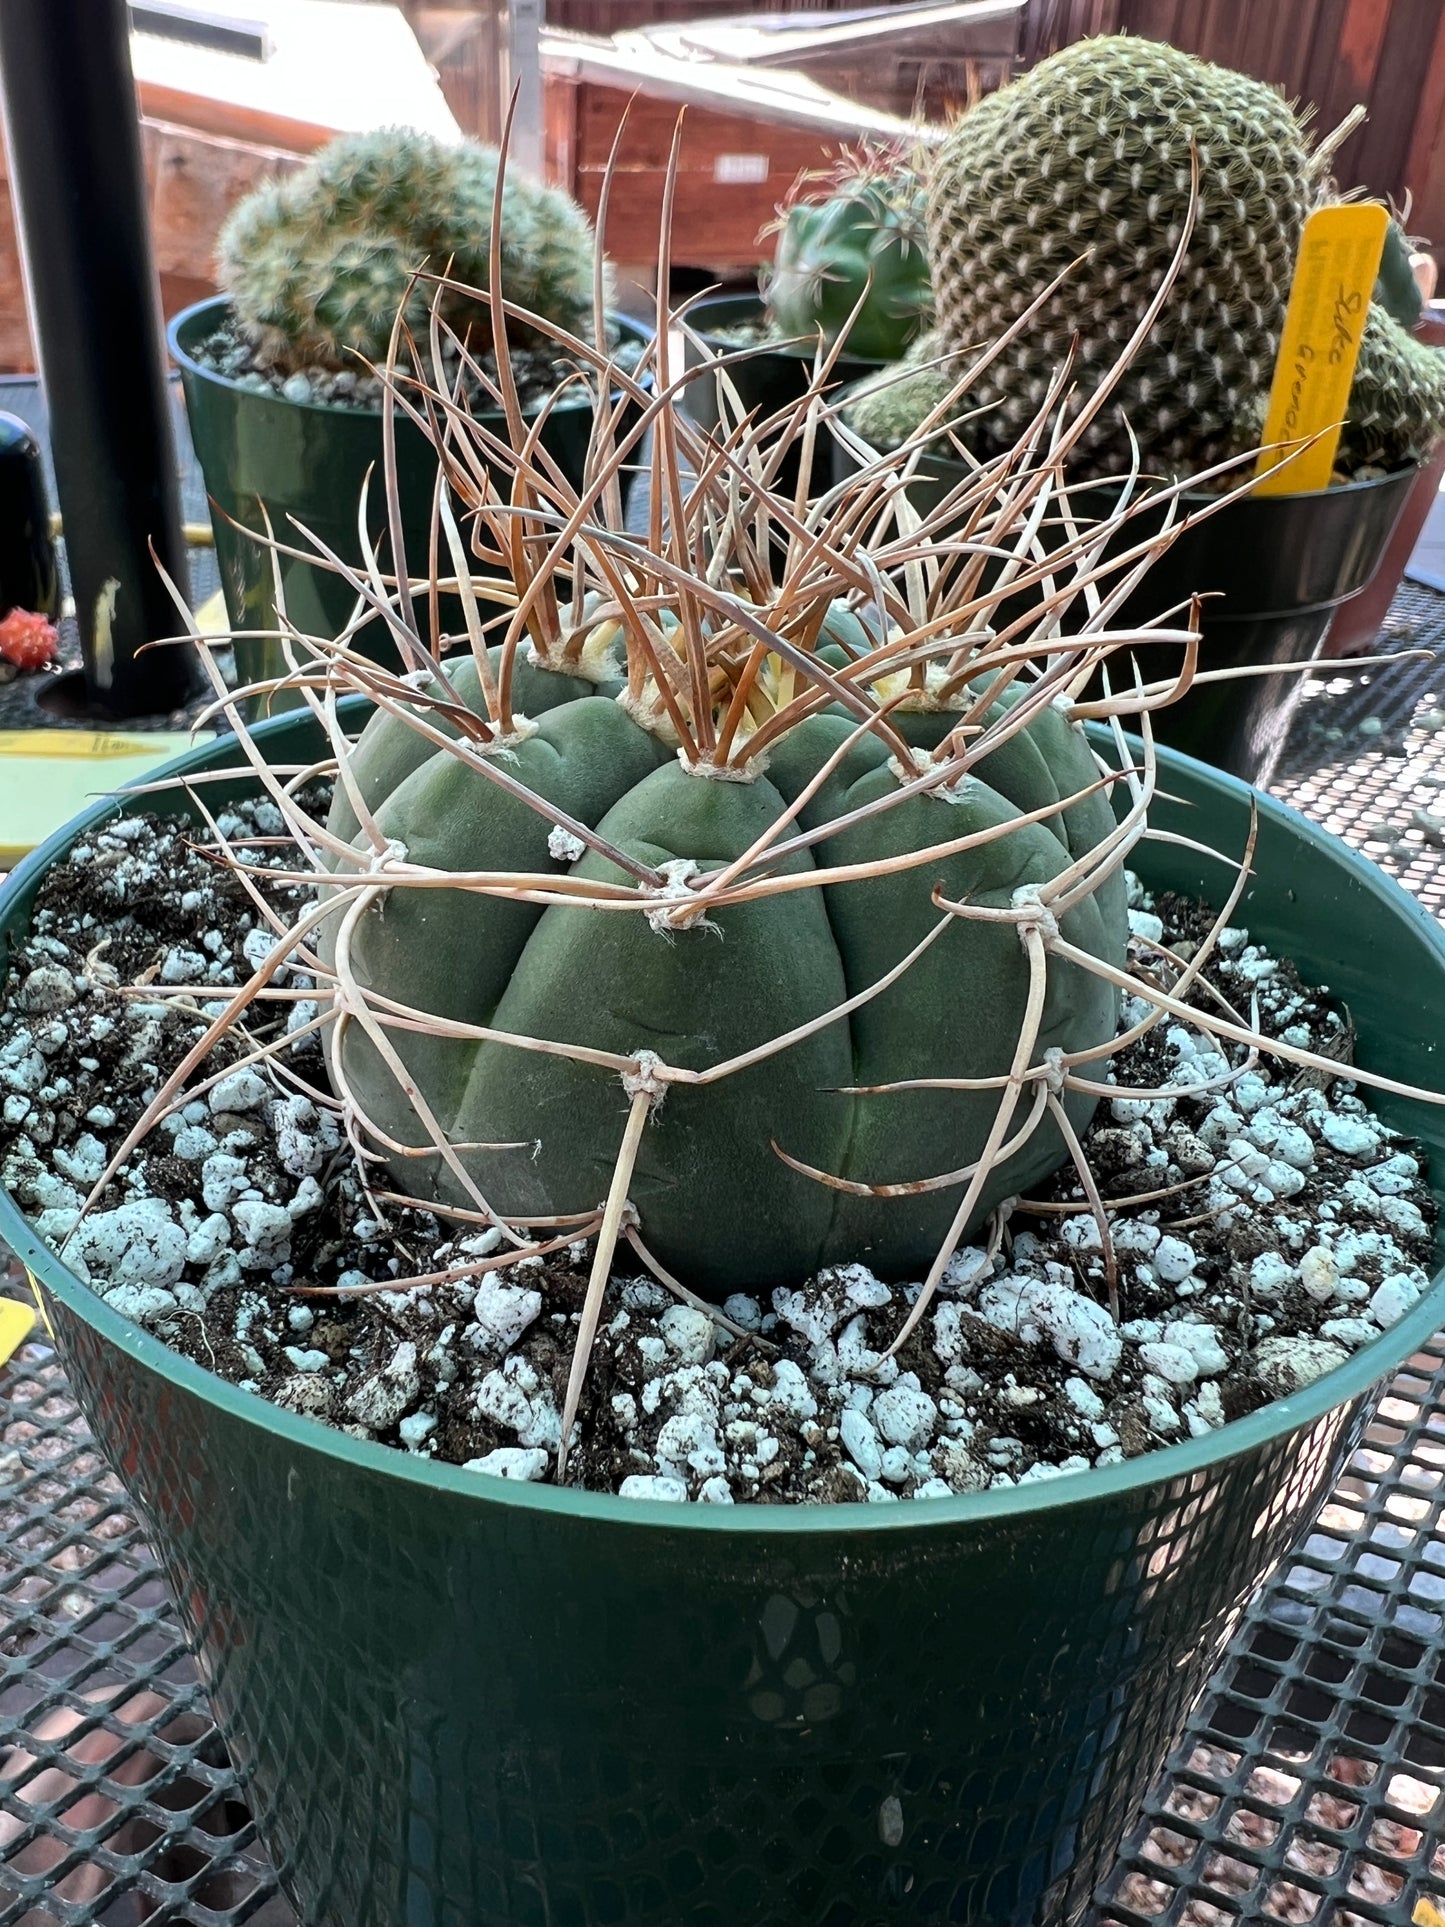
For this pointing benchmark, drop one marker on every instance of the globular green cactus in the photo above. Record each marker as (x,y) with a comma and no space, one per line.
(853,235)
(319,264)
(1397,291)
(1082,168)
(716,1202)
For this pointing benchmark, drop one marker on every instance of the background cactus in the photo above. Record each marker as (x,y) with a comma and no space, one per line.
(886,408)
(1397,291)
(317,265)
(855,234)
(1089,155)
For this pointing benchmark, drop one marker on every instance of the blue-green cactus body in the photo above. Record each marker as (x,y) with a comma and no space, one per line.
(717,1204)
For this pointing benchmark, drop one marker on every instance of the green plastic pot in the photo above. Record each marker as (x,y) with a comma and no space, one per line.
(769,379)
(1275,568)
(461,1702)
(310,462)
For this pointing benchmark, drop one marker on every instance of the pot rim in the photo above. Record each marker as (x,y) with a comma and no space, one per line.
(794,347)
(193,369)
(1353,1379)
(1337,491)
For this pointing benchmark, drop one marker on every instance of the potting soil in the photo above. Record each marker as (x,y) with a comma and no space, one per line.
(536,371)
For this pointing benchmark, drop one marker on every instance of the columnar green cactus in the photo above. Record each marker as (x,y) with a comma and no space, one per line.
(854,235)
(319,264)
(1083,165)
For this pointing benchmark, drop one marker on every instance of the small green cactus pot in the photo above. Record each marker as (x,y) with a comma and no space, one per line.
(463,1702)
(772,376)
(307,461)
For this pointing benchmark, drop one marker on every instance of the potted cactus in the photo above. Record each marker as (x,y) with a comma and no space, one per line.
(748,899)
(849,272)
(281,372)
(1080,169)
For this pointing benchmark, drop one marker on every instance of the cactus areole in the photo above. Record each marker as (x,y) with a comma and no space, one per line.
(716,1187)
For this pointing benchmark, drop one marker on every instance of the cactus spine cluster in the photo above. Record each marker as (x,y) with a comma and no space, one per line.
(1089,155)
(853,239)
(319,264)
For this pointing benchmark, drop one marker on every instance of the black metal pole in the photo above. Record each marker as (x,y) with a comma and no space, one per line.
(73,134)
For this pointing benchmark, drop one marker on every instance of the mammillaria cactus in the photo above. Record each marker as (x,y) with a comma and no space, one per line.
(1082,168)
(319,264)
(853,239)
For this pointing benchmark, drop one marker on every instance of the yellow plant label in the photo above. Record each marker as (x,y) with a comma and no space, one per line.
(17,1321)
(1427,1914)
(1329,298)
(92,745)
(35,1293)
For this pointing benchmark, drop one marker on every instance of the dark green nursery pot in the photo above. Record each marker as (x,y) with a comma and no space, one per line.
(310,462)
(467,1703)
(1273,569)
(768,378)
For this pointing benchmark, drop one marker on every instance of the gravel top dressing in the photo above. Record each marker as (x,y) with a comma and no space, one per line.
(537,373)
(1285,1226)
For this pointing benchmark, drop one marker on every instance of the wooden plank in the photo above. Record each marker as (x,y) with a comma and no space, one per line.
(733,173)
(16,353)
(195,181)
(1272,44)
(1319,85)
(1160,20)
(559,114)
(1425,159)
(647,141)
(1376,157)
(1361,43)
(231,120)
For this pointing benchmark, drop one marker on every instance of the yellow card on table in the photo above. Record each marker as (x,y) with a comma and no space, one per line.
(17,1321)
(1339,258)
(38,1295)
(48,775)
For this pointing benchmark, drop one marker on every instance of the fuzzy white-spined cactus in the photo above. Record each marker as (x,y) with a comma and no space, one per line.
(319,265)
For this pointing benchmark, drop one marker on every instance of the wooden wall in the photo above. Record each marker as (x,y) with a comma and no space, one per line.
(732,172)
(193,181)
(611,16)
(1387,54)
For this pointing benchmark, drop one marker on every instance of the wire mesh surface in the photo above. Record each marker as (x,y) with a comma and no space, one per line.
(1307,1788)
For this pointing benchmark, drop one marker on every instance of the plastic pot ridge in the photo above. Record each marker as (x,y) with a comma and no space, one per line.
(1273,571)
(308,461)
(468,1703)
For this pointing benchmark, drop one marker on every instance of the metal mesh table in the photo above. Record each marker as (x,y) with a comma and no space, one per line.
(1307,1788)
